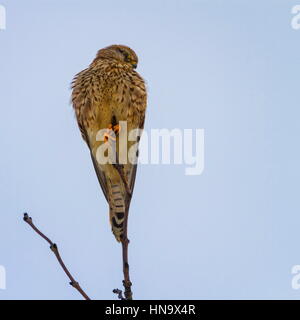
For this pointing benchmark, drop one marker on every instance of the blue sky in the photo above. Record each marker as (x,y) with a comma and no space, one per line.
(229,67)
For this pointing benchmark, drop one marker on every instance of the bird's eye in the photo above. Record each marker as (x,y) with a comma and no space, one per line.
(125,54)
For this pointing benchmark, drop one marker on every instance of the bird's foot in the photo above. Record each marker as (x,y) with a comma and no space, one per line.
(117,129)
(109,134)
(112,132)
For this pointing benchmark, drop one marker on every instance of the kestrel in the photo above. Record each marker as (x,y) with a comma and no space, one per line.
(107,92)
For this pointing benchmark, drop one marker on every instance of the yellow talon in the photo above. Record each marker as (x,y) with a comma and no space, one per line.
(107,135)
(117,128)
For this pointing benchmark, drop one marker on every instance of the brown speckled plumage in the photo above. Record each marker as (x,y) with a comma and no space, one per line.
(110,90)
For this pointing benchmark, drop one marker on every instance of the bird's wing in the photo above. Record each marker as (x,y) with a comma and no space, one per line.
(139,103)
(82,101)
(100,173)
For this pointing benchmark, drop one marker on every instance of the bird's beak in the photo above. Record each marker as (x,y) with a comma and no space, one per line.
(134,66)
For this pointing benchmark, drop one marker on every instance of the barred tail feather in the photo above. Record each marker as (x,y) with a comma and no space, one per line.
(117,211)
(116,224)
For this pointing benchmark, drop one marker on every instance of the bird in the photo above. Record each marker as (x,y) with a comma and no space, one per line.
(108,92)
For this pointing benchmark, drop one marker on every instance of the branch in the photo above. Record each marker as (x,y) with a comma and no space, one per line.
(125,241)
(119,293)
(54,248)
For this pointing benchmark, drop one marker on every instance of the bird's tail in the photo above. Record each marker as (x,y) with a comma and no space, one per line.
(117,211)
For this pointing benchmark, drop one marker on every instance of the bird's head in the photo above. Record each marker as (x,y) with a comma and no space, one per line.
(120,53)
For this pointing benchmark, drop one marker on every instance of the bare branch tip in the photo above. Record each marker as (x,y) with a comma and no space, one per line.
(119,293)
(54,248)
(26,217)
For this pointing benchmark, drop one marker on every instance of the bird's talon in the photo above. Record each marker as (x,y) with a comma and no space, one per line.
(107,134)
(117,129)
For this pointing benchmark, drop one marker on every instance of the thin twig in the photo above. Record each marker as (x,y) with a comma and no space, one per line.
(54,248)
(125,241)
(119,293)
